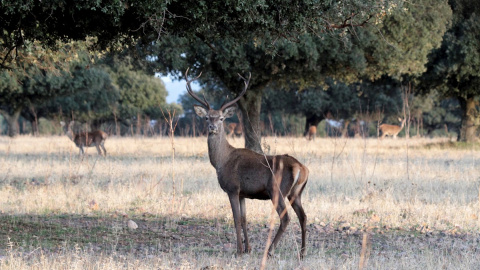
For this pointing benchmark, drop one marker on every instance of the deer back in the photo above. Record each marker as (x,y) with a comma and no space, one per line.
(90,138)
(255,176)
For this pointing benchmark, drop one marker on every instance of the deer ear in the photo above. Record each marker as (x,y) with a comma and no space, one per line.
(200,111)
(230,111)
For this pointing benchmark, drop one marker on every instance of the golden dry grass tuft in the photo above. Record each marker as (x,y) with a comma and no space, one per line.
(417,198)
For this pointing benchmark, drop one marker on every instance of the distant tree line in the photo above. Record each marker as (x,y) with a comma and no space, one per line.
(97,90)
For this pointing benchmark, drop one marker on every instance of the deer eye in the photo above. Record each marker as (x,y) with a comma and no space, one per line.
(206,118)
(222,118)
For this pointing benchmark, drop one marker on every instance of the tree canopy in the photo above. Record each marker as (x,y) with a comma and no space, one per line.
(114,22)
(32,82)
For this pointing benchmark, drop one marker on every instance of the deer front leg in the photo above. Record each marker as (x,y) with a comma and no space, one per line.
(235,204)
(243,213)
(80,149)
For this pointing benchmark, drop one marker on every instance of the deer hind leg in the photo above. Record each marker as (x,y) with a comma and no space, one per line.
(243,213)
(104,150)
(235,204)
(284,220)
(98,150)
(302,217)
(295,200)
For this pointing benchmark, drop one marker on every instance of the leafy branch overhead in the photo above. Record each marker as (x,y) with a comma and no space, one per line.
(115,22)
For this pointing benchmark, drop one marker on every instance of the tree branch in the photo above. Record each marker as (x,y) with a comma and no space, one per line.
(347,24)
(202,38)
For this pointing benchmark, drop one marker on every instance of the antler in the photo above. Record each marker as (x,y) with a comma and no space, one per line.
(246,82)
(204,102)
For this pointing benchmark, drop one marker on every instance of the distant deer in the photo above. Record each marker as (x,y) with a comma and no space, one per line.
(311,133)
(86,139)
(243,173)
(391,130)
(234,129)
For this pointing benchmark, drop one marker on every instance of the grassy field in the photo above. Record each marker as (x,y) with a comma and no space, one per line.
(416,199)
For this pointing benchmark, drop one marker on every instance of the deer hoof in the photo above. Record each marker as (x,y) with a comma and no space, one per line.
(302,254)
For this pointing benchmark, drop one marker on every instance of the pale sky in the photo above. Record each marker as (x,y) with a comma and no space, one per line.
(176,88)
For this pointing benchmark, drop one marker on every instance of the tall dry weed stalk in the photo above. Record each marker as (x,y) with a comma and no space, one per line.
(172,125)
(365,252)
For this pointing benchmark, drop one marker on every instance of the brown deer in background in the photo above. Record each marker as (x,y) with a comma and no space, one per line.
(391,130)
(86,139)
(311,133)
(234,129)
(245,174)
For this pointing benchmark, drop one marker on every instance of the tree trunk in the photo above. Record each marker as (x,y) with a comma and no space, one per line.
(34,128)
(139,124)
(470,115)
(312,120)
(12,121)
(250,106)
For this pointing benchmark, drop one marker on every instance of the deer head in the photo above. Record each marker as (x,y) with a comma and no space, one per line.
(213,117)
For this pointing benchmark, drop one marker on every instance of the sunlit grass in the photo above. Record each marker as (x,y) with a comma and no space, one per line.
(405,184)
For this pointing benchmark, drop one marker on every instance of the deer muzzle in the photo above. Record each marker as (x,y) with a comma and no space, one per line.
(212,129)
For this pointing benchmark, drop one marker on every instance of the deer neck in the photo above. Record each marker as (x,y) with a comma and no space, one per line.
(218,149)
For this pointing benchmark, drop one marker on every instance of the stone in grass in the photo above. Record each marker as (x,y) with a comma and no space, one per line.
(132,225)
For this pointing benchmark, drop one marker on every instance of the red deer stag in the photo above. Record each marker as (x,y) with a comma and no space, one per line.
(391,130)
(245,174)
(86,139)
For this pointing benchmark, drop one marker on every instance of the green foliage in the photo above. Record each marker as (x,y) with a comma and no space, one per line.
(408,35)
(454,68)
(115,22)
(40,76)
(140,93)
(116,91)
(93,96)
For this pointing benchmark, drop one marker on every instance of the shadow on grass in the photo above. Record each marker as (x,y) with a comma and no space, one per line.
(51,232)
(202,236)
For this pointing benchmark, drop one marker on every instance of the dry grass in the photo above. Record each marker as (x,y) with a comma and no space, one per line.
(406,192)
